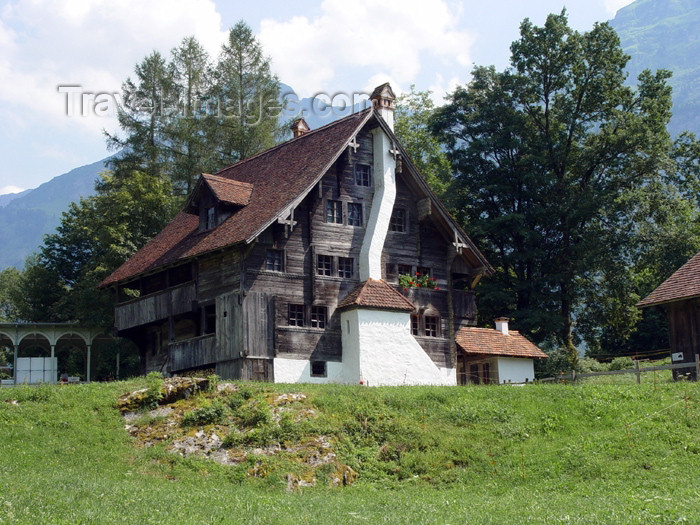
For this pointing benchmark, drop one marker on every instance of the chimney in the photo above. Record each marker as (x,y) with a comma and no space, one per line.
(502,325)
(383,102)
(299,127)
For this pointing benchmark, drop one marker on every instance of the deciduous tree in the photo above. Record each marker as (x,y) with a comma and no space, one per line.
(546,155)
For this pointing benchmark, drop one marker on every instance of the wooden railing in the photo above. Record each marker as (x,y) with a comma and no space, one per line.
(192,353)
(173,301)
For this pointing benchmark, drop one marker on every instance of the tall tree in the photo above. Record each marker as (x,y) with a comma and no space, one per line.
(146,100)
(413,111)
(187,129)
(9,286)
(544,153)
(247,96)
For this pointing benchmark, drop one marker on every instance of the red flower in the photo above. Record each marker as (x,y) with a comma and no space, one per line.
(418,285)
(437,287)
(405,289)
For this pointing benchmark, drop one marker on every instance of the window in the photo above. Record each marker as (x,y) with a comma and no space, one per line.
(211,218)
(296,315)
(354,214)
(362,175)
(318,369)
(209,319)
(474,374)
(415,324)
(334,212)
(486,373)
(324,265)
(423,270)
(318,316)
(431,325)
(398,220)
(345,267)
(273,261)
(403,269)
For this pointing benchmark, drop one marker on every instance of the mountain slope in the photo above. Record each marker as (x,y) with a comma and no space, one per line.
(664,34)
(27,218)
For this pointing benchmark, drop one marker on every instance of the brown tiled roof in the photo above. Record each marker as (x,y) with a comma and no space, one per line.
(280,177)
(229,191)
(487,341)
(683,284)
(377,294)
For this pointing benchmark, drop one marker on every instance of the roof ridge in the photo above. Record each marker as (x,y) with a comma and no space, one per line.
(293,139)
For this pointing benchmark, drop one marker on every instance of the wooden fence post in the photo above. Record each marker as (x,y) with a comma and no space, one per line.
(697,367)
(637,371)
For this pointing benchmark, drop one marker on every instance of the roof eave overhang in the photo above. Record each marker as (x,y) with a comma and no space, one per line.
(486,268)
(287,210)
(642,304)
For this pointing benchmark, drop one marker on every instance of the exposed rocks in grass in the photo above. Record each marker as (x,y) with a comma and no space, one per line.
(172,389)
(252,424)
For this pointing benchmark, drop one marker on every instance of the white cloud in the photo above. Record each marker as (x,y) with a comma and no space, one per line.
(91,43)
(612,6)
(390,38)
(10,189)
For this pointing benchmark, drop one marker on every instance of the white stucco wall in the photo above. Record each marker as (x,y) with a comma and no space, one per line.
(384,176)
(515,370)
(299,371)
(386,352)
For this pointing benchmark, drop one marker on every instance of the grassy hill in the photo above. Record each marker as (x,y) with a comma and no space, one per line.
(536,454)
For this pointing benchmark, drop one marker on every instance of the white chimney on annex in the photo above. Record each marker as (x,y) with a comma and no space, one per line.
(383,101)
(502,324)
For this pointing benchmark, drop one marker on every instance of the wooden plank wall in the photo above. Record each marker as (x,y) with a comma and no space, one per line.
(192,353)
(218,274)
(684,330)
(173,301)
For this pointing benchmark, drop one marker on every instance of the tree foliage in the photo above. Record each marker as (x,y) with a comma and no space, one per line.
(412,114)
(555,160)
(95,236)
(190,115)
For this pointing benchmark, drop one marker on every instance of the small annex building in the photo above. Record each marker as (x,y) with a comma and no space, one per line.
(286,267)
(680,296)
(495,356)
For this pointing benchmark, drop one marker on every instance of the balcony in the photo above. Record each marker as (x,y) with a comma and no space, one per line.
(192,353)
(154,307)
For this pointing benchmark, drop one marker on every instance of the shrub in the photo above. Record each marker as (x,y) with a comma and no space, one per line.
(588,364)
(154,394)
(621,363)
(207,415)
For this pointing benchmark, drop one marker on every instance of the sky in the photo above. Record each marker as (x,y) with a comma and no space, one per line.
(56,56)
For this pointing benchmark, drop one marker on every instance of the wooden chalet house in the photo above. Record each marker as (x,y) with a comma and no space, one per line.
(680,295)
(284,267)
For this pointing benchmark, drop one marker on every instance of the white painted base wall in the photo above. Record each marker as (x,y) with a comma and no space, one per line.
(515,370)
(378,349)
(299,371)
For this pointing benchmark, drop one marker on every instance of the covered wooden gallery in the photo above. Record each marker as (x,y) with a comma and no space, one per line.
(680,296)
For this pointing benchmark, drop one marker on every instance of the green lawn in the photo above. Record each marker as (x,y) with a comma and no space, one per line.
(536,454)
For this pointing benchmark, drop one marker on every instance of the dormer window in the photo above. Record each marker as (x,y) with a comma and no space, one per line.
(210,218)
